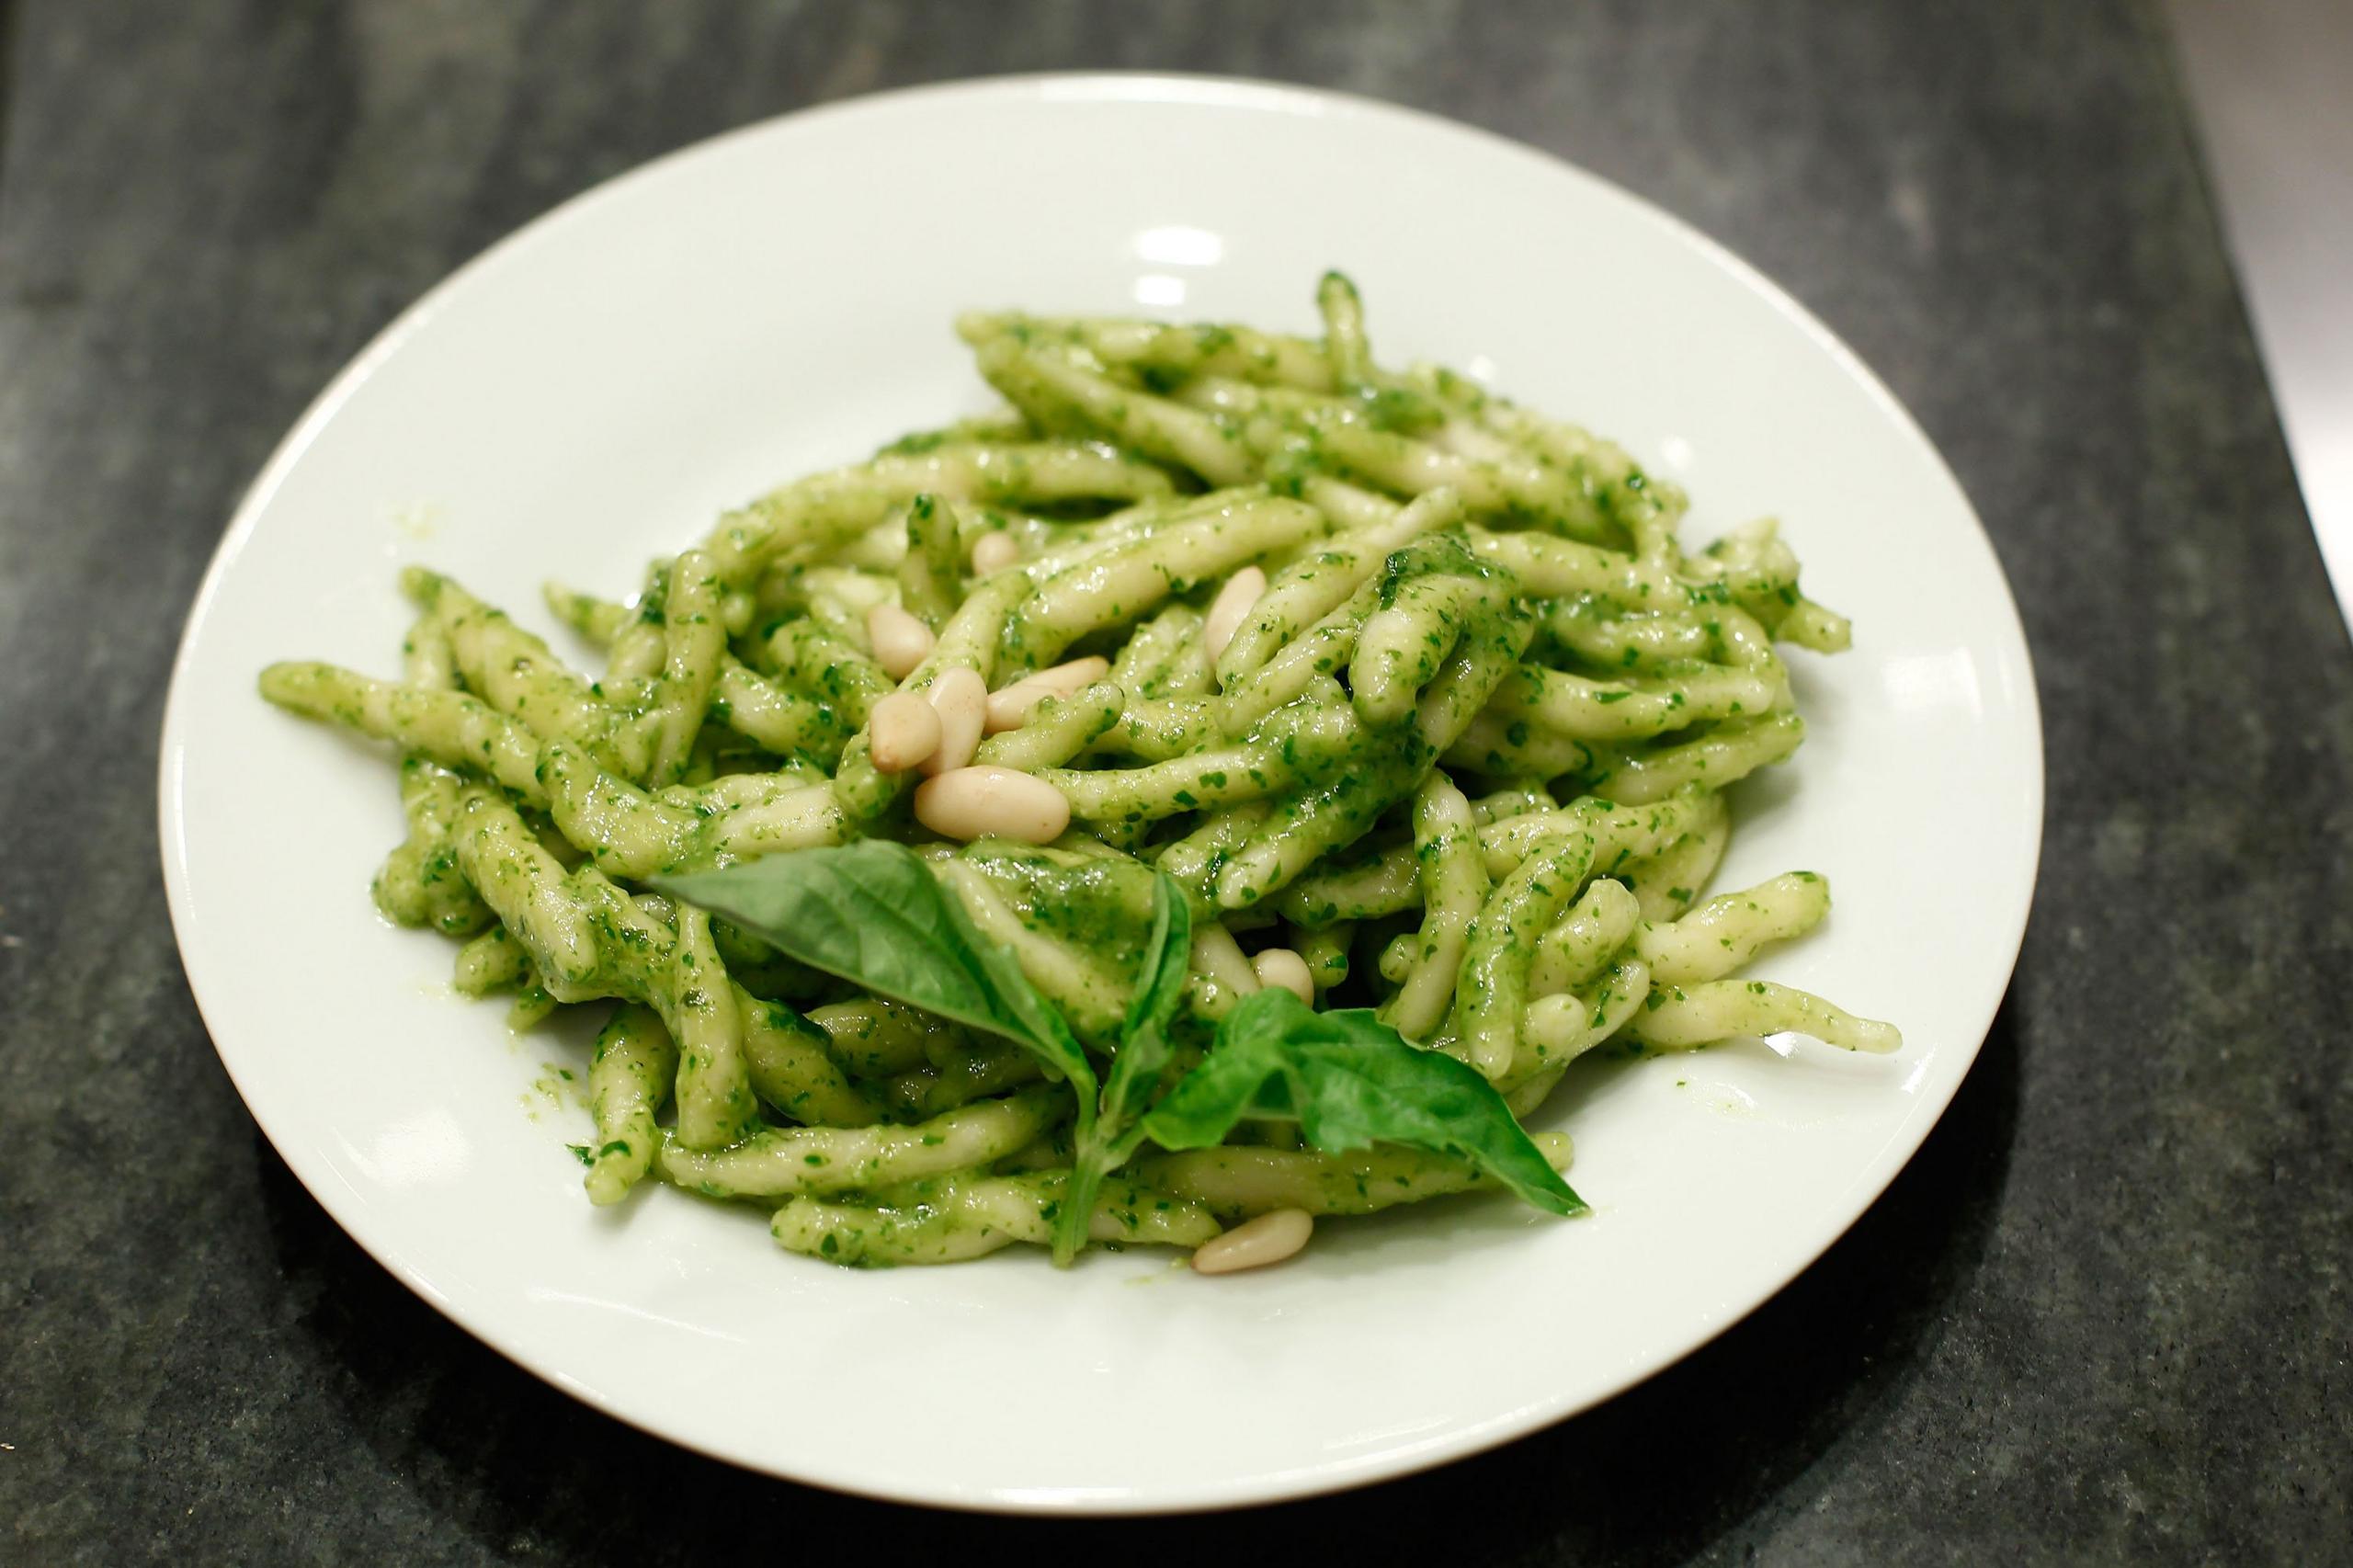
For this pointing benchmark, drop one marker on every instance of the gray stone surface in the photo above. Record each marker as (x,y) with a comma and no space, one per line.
(2103,1316)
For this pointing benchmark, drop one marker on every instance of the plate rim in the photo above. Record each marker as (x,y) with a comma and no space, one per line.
(1094,87)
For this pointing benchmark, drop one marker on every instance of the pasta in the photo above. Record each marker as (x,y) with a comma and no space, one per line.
(1219,664)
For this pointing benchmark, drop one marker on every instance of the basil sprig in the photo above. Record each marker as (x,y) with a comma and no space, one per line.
(874,913)
(1144,1053)
(1349,1081)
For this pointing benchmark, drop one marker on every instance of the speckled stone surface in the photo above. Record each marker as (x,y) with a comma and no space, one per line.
(2105,1314)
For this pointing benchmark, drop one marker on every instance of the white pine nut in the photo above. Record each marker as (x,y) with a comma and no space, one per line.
(992,802)
(903,730)
(1010,708)
(992,553)
(1281,966)
(1230,609)
(901,641)
(1270,1238)
(960,699)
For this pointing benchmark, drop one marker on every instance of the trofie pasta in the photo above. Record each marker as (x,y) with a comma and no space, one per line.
(1228,786)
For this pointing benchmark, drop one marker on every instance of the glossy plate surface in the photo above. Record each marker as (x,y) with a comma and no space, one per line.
(596,389)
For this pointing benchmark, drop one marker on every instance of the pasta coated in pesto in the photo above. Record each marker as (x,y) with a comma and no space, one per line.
(1390,680)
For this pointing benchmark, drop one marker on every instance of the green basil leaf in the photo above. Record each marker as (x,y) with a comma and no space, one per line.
(1350,1080)
(872,912)
(1144,1045)
(1143,1054)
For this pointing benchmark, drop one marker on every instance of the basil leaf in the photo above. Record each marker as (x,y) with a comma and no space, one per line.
(1144,1045)
(872,912)
(1350,1080)
(1144,1055)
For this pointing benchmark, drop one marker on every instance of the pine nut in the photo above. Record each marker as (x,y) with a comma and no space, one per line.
(1281,966)
(1270,1238)
(992,553)
(1009,709)
(992,802)
(903,730)
(901,641)
(960,699)
(1231,609)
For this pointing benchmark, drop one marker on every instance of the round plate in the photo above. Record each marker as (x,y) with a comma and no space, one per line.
(596,389)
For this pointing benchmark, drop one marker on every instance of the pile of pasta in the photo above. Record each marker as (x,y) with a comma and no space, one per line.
(1412,690)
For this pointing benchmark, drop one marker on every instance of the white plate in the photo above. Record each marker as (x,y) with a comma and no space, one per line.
(596,388)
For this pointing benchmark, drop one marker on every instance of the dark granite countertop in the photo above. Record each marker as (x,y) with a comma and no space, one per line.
(2103,1316)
